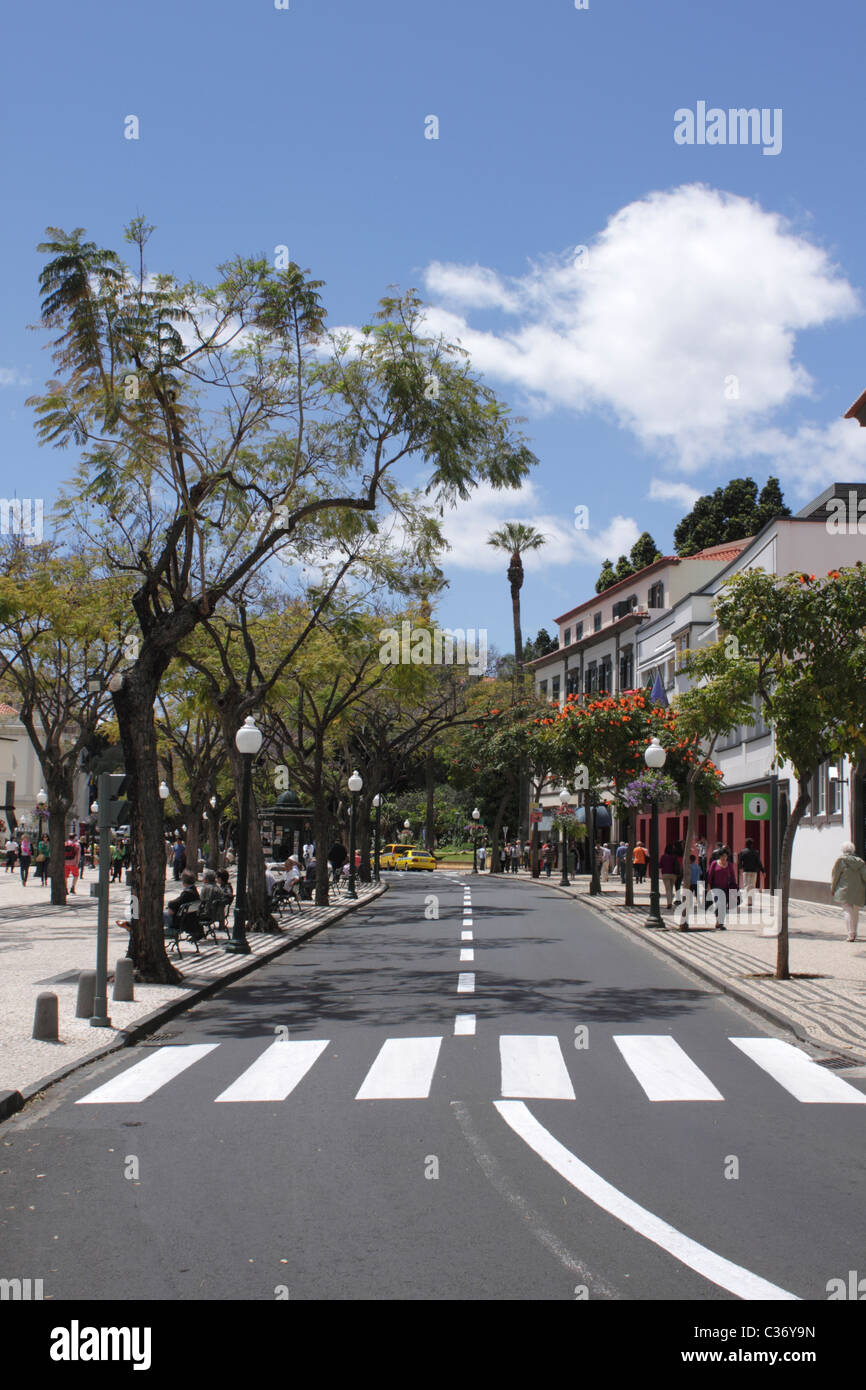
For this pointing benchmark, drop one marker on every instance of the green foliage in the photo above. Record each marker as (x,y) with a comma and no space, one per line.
(730,513)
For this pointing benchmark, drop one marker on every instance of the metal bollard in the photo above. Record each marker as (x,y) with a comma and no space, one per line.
(123,980)
(86,992)
(45,1017)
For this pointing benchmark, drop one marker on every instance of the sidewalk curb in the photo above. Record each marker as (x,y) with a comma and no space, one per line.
(13,1101)
(655,940)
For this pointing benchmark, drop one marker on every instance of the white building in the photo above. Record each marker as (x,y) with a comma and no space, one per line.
(813,542)
(21,776)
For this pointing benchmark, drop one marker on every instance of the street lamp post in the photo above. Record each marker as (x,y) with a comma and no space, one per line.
(476,816)
(564,800)
(377,802)
(248,741)
(99,1018)
(355,784)
(654,757)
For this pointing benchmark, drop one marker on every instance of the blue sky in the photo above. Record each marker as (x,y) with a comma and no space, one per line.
(713,327)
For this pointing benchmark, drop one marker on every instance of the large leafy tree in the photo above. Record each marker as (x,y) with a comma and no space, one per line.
(62,642)
(219,423)
(728,514)
(802,642)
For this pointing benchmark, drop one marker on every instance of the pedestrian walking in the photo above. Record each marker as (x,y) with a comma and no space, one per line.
(621,859)
(749,865)
(547,857)
(503,858)
(11,854)
(178,857)
(638,859)
(25,854)
(515,856)
(848,886)
(40,860)
(482,858)
(721,878)
(71,863)
(669,868)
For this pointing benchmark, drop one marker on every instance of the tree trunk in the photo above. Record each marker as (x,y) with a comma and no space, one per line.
(134,705)
(56,854)
(192,839)
(430,830)
(213,825)
(497,826)
(797,814)
(321,827)
(365,836)
(688,838)
(629,867)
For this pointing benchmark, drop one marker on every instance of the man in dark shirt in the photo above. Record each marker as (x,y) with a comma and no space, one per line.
(336,859)
(188,894)
(749,865)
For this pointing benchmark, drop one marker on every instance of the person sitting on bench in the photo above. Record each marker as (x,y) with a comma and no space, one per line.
(188,894)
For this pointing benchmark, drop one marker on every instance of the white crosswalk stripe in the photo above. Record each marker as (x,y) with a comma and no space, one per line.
(664,1070)
(403,1070)
(530,1067)
(534,1068)
(803,1078)
(147,1076)
(276,1073)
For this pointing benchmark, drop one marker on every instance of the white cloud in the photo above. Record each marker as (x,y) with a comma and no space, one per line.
(681,323)
(468,526)
(662,490)
(11,376)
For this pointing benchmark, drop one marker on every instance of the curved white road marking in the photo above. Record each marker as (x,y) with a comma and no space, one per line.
(714,1267)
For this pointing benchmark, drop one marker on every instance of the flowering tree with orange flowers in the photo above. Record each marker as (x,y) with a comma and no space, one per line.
(608,736)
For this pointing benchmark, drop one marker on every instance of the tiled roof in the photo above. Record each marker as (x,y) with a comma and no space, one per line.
(726,550)
(6,711)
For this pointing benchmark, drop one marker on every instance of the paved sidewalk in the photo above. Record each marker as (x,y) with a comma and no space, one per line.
(825,1000)
(45,948)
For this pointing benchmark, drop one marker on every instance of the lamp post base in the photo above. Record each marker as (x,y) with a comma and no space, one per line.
(655,917)
(238,948)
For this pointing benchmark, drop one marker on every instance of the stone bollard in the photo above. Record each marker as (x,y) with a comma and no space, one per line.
(123,980)
(86,994)
(45,1017)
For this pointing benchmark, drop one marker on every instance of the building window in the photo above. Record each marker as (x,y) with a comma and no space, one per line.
(656,596)
(820,791)
(554,688)
(605,674)
(566,637)
(626,669)
(572,685)
(589,679)
(578,632)
(834,790)
(542,689)
(596,623)
(624,606)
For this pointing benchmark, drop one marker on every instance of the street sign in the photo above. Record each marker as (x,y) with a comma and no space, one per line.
(756,806)
(534,817)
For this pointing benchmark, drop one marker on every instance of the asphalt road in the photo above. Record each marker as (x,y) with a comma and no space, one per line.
(305,1135)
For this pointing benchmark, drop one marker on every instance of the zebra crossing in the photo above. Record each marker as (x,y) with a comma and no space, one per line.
(531,1067)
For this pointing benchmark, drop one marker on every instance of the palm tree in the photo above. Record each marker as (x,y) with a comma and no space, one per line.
(516,539)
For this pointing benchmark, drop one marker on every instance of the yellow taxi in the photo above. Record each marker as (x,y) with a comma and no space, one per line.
(415,859)
(389,854)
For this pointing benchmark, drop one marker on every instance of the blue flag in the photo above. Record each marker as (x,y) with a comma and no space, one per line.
(658,694)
